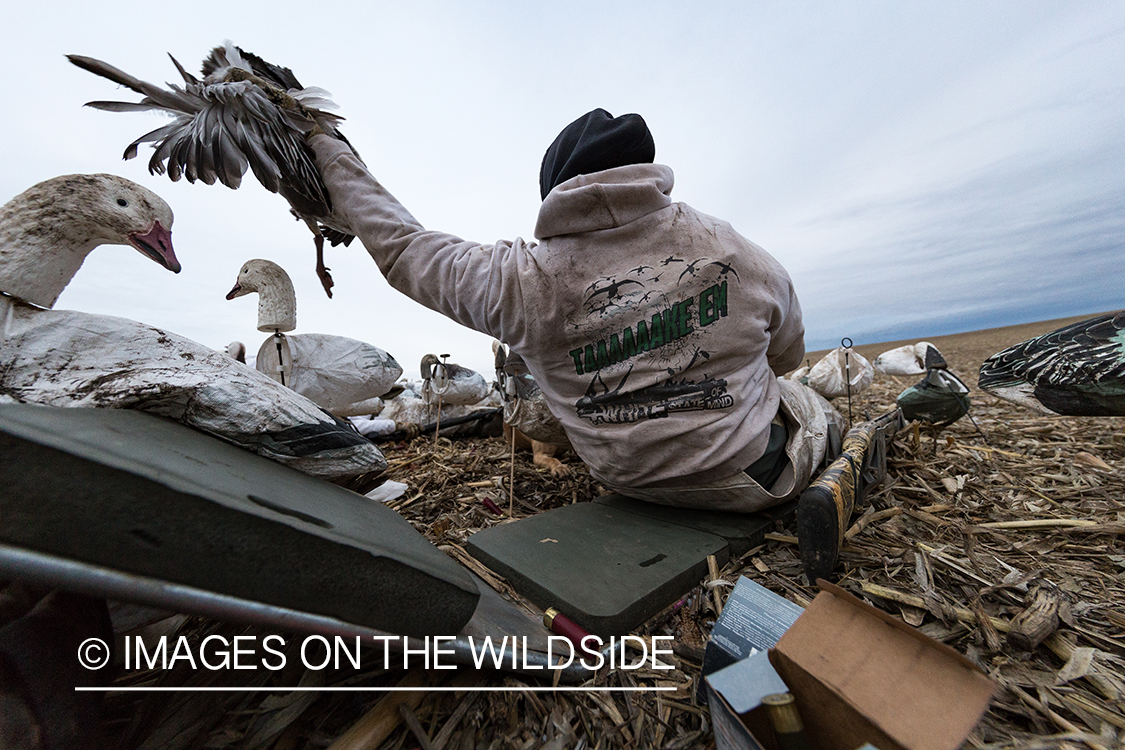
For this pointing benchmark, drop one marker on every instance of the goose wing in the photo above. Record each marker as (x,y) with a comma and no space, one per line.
(244,113)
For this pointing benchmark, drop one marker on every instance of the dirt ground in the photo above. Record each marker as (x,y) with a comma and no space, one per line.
(973,525)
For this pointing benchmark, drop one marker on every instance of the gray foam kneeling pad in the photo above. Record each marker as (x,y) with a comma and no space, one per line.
(607,569)
(742,531)
(143,495)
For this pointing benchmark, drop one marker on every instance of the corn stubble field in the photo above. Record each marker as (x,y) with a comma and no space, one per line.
(972,534)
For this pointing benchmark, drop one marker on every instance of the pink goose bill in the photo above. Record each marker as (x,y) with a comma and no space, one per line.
(156,243)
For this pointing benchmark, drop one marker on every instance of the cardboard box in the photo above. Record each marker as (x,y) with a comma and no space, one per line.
(737,668)
(858,676)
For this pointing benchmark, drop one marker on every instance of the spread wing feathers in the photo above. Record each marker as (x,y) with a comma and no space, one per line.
(227,55)
(171,99)
(1089,352)
(243,113)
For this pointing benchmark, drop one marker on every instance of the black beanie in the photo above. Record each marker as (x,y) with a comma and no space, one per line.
(595,141)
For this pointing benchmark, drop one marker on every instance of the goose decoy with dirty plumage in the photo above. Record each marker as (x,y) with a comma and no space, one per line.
(67,358)
(244,112)
(455,384)
(528,421)
(47,231)
(1077,370)
(345,376)
(525,406)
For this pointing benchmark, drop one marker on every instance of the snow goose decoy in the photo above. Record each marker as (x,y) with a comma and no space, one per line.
(841,372)
(528,421)
(243,112)
(453,383)
(410,407)
(911,359)
(236,350)
(47,231)
(1077,370)
(525,406)
(345,376)
(76,359)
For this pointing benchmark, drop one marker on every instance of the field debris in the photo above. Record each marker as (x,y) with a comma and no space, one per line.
(1011,552)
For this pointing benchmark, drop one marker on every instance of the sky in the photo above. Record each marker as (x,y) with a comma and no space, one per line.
(919,168)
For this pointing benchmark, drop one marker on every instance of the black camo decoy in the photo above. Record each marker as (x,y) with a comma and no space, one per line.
(1078,370)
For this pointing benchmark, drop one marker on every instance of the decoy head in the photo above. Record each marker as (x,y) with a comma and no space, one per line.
(51,227)
(258,275)
(499,354)
(277,301)
(112,210)
(236,350)
(117,211)
(428,363)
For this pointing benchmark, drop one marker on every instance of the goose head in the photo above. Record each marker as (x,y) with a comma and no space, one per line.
(277,302)
(49,229)
(429,364)
(236,350)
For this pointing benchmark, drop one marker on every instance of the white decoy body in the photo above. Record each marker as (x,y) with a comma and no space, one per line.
(843,371)
(910,359)
(76,359)
(409,406)
(343,375)
(244,112)
(453,383)
(236,350)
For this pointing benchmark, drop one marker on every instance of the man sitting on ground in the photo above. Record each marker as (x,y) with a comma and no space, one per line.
(657,333)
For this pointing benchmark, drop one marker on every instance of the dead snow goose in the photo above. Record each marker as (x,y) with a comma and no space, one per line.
(345,376)
(68,358)
(1077,370)
(243,112)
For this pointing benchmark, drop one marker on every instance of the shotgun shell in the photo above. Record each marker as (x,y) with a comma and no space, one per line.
(787,724)
(560,624)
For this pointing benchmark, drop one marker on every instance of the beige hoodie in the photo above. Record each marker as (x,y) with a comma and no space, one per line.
(654,331)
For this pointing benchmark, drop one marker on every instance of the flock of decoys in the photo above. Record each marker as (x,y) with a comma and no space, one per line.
(1077,370)
(246,113)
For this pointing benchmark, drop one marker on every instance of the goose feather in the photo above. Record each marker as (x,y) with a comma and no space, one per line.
(244,113)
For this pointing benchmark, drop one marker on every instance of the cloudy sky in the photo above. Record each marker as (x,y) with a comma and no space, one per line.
(920,168)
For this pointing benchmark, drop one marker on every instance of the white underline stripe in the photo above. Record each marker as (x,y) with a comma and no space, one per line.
(394,689)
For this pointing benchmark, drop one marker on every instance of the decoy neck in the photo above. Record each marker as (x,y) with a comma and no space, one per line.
(427,365)
(277,301)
